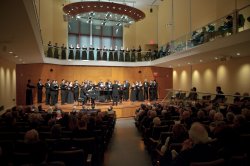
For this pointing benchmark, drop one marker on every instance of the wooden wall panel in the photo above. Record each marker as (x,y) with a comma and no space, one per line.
(94,73)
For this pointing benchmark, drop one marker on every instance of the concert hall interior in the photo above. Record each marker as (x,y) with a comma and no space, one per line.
(125,82)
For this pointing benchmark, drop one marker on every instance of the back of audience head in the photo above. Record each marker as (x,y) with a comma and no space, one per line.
(198,134)
(239,120)
(31,136)
(218,116)
(157,121)
(230,117)
(201,115)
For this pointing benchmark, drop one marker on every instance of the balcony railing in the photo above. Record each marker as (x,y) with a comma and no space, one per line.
(228,25)
(187,97)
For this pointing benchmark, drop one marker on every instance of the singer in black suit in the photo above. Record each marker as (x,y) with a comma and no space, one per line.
(39,91)
(63,88)
(47,92)
(145,88)
(29,95)
(76,87)
(115,93)
(53,92)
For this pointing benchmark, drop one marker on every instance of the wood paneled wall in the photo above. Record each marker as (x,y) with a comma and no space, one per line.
(95,73)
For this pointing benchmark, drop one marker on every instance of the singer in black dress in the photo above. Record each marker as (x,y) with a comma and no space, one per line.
(121,56)
(99,54)
(50,52)
(63,52)
(127,55)
(105,54)
(29,95)
(71,52)
(56,54)
(78,56)
(111,54)
(39,91)
(84,53)
(91,53)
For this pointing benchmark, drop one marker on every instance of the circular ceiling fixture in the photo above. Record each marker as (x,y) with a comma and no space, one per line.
(103,13)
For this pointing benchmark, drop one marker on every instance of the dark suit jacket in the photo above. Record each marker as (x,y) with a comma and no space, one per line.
(115,91)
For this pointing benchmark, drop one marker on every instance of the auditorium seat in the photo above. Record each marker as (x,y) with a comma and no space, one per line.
(72,157)
(219,162)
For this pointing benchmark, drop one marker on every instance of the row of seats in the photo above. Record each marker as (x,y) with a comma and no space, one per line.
(70,147)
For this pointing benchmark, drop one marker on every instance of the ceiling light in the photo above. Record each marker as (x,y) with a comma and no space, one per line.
(10,52)
(16,56)
(92,8)
(215,58)
(238,54)
(189,63)
(201,60)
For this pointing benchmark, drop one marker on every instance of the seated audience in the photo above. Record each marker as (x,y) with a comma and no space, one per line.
(196,148)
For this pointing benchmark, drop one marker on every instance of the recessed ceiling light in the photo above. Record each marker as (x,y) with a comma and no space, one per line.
(201,60)
(215,58)
(23,62)
(238,53)
(189,63)
(10,52)
(16,56)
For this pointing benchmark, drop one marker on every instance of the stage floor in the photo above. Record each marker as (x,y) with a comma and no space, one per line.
(123,110)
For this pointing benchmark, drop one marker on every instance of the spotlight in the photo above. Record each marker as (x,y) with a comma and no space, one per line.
(103,23)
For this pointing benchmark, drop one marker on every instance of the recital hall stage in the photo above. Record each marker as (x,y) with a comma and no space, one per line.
(123,110)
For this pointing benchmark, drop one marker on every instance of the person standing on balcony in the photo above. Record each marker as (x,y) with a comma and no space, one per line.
(56,54)
(71,52)
(63,52)
(50,53)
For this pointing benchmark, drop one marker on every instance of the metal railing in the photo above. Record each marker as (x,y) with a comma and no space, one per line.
(191,96)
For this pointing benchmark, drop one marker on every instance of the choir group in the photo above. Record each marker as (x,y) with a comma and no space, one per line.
(88,91)
(87,53)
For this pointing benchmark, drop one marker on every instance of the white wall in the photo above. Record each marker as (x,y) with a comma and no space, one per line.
(233,76)
(7,83)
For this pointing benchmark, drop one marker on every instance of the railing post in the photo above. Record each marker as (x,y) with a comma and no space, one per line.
(235,22)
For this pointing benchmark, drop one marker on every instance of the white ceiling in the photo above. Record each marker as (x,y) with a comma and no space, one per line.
(134,3)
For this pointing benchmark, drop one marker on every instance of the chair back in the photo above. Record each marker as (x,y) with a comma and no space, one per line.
(218,162)
(72,157)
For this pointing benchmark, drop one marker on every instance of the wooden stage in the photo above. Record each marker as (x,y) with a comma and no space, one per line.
(123,110)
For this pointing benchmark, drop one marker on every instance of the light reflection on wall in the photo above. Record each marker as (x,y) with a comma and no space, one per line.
(7,84)
(184,80)
(196,79)
(209,79)
(243,78)
(222,75)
